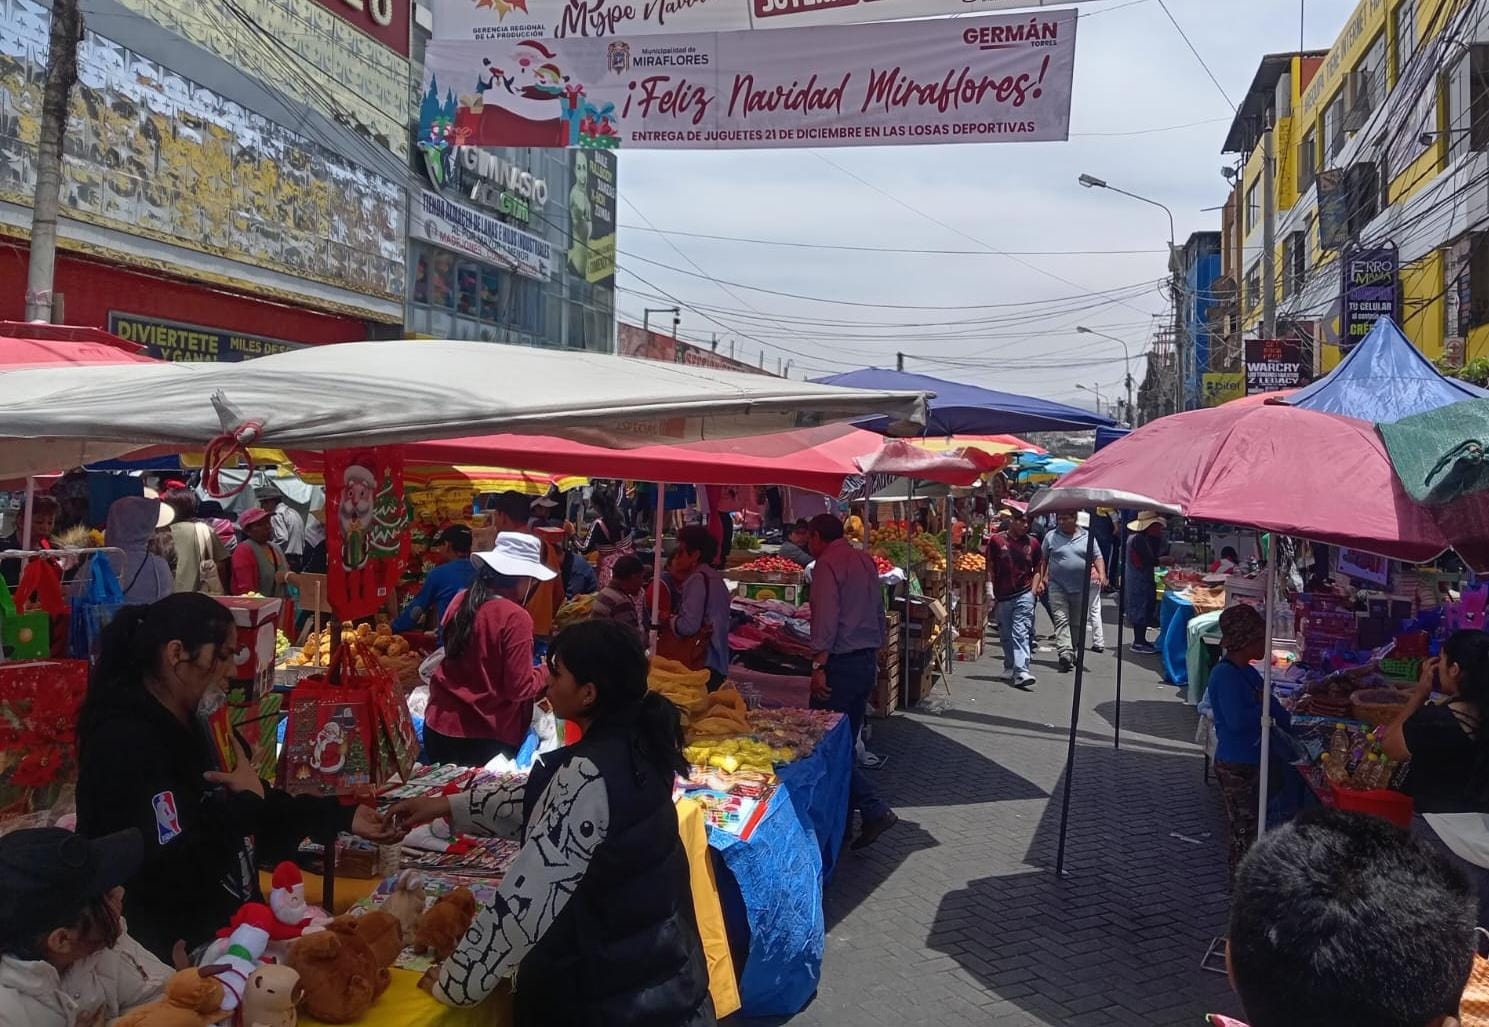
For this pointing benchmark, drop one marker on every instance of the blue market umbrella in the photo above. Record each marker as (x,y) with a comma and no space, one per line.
(958,409)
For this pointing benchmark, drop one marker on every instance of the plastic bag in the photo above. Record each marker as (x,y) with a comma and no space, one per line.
(542,735)
(431,664)
(93,608)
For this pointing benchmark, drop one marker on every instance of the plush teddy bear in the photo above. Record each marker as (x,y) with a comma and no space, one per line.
(383,934)
(339,971)
(443,924)
(190,1000)
(407,901)
(271,996)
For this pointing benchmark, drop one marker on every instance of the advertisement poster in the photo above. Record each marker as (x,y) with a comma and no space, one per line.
(957,80)
(1369,292)
(173,340)
(367,519)
(560,19)
(1223,386)
(631,341)
(466,230)
(592,217)
(1273,365)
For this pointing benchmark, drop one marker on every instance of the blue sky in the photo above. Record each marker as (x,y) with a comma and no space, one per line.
(1133,75)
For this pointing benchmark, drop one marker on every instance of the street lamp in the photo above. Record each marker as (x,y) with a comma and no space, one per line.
(646,314)
(1095,389)
(1126,358)
(1092,182)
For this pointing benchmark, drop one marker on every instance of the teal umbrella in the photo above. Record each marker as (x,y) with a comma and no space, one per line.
(1439,455)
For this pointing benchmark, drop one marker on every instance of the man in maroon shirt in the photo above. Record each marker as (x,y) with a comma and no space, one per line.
(1013,558)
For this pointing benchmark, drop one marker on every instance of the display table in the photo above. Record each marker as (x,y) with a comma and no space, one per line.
(1201,628)
(780,873)
(1174,615)
(404,1003)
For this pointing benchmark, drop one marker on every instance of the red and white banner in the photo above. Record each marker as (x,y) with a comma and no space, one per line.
(561,19)
(945,80)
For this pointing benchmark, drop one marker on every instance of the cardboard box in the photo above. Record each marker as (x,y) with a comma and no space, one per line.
(253,656)
(968,650)
(767,591)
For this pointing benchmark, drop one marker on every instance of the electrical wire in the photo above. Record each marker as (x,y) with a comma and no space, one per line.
(1184,36)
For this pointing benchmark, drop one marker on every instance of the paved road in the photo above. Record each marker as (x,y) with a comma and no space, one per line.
(956,916)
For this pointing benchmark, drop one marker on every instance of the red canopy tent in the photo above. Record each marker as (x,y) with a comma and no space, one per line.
(34,344)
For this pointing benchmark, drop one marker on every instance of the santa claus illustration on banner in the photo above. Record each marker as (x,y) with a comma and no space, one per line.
(520,99)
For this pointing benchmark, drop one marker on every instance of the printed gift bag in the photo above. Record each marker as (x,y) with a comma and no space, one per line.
(347,729)
(26,617)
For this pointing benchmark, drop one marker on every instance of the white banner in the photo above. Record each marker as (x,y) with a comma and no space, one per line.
(560,19)
(942,80)
(466,230)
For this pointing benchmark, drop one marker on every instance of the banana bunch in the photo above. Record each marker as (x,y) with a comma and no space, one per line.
(720,715)
(735,754)
(677,684)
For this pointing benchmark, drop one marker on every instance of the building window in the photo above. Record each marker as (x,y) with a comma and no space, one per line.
(1253,207)
(1294,263)
(1253,288)
(1307,160)
(1478,281)
(1334,128)
(1406,35)
(1368,83)
(1466,93)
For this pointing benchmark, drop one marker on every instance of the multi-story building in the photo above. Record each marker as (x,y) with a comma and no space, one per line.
(1380,173)
(231,180)
(1199,266)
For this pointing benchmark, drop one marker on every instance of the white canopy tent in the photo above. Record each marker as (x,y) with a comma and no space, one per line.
(366,393)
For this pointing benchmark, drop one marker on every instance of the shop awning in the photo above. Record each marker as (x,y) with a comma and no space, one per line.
(364,393)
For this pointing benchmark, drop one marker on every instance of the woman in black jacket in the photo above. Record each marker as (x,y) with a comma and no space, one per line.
(145,763)
(595,916)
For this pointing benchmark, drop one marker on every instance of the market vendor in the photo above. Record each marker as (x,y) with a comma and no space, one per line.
(579,575)
(609,539)
(44,511)
(1235,693)
(482,692)
(702,608)
(1448,777)
(595,916)
(795,546)
(848,630)
(288,527)
(1146,552)
(144,763)
(259,565)
(511,513)
(452,576)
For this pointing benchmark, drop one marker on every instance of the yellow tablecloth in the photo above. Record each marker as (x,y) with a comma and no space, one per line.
(404,1003)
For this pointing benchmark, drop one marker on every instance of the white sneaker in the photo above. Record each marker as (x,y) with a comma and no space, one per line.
(1025,680)
(869,759)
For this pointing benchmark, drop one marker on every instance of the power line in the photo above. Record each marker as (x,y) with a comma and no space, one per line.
(848,247)
(1184,36)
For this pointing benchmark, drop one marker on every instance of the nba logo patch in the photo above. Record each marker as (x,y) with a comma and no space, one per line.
(167,820)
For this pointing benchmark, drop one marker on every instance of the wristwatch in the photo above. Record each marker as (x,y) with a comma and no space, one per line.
(819,666)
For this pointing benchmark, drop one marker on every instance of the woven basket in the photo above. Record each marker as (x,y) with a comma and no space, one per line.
(1377,705)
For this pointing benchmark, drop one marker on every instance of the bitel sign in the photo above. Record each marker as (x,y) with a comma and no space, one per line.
(1369,291)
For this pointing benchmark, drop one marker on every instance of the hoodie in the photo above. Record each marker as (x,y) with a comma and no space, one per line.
(92,991)
(140,767)
(144,576)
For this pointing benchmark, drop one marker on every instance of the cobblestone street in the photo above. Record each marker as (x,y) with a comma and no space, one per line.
(956,916)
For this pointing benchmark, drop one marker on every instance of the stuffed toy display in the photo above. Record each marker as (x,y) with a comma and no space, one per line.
(190,1000)
(232,960)
(270,999)
(441,927)
(406,902)
(342,971)
(293,916)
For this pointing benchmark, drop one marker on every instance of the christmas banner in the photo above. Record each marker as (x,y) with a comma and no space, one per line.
(367,523)
(561,19)
(963,80)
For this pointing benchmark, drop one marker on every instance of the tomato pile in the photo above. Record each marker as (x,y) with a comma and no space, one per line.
(883,565)
(771,565)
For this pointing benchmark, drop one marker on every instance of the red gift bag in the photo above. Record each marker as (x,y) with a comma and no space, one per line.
(39,705)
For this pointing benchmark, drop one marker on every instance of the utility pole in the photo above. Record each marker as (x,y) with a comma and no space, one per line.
(1269,236)
(61,76)
(899,361)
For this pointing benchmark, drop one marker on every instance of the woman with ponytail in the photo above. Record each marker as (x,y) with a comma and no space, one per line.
(146,763)
(595,916)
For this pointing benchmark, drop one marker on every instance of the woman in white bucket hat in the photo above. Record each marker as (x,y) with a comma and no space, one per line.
(481,694)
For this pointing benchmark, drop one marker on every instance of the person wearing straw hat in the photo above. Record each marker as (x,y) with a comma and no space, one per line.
(1235,694)
(481,694)
(1146,551)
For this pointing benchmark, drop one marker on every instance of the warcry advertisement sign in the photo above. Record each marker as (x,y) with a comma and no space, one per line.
(1273,365)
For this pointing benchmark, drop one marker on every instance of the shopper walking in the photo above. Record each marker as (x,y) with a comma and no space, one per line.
(1063,574)
(201,557)
(847,634)
(1013,559)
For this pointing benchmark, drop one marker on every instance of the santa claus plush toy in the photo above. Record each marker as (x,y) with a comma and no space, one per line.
(232,961)
(293,916)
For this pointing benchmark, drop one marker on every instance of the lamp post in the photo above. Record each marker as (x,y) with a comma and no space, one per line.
(1092,182)
(1096,389)
(1126,359)
(646,314)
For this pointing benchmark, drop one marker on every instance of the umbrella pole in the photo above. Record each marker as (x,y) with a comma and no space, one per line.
(27,542)
(905,615)
(1117,710)
(1270,607)
(950,584)
(1075,700)
(656,563)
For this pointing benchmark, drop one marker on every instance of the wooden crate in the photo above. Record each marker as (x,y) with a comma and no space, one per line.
(969,650)
(885,698)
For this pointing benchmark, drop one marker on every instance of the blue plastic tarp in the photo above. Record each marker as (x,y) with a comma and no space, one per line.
(780,873)
(1106,436)
(1383,379)
(958,409)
